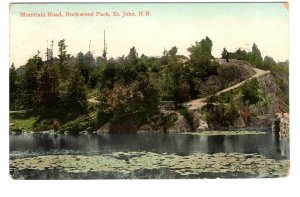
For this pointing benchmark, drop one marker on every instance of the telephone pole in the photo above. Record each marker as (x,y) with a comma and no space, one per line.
(47,52)
(104,48)
(90,53)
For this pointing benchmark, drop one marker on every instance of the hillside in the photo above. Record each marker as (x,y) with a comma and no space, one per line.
(160,94)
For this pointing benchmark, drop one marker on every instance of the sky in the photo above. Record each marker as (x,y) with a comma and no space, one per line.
(229,25)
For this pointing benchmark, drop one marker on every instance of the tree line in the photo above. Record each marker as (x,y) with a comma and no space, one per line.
(130,85)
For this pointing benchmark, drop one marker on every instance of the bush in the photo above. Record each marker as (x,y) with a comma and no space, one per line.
(250,91)
(169,120)
(222,115)
(188,116)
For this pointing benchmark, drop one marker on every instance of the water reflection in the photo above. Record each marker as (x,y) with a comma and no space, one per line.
(268,145)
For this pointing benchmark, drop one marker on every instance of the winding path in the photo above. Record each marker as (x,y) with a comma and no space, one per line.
(198,103)
(93,100)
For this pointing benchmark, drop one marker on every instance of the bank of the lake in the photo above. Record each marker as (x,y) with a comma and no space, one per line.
(47,155)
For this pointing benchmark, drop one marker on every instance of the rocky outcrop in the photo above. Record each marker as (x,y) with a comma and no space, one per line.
(233,72)
(239,122)
(281,125)
(269,86)
(129,125)
(199,124)
(104,129)
(180,126)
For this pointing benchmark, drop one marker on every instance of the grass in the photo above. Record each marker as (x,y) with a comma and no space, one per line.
(22,123)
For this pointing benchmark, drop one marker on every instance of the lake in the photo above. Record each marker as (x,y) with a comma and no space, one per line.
(46,155)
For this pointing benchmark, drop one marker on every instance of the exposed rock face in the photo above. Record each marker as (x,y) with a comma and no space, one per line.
(228,74)
(270,88)
(125,126)
(104,129)
(265,115)
(239,122)
(199,124)
(233,72)
(282,125)
(181,125)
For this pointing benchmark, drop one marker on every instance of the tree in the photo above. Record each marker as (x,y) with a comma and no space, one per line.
(268,63)
(182,92)
(109,75)
(255,57)
(36,60)
(201,58)
(73,92)
(164,59)
(251,91)
(85,63)
(125,100)
(47,91)
(62,53)
(224,53)
(13,87)
(172,52)
(29,82)
(240,55)
(132,58)
(201,53)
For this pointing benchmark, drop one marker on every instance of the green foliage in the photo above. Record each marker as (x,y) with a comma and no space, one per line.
(281,67)
(13,87)
(129,99)
(85,63)
(231,112)
(250,91)
(62,53)
(201,53)
(182,92)
(172,53)
(28,83)
(22,122)
(72,92)
(103,118)
(188,116)
(224,53)
(132,58)
(268,63)
(226,97)
(168,121)
(255,57)
(94,78)
(240,55)
(47,93)
(164,60)
(36,60)
(201,59)
(82,123)
(132,86)
(223,115)
(209,90)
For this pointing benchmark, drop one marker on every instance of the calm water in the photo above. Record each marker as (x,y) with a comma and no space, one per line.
(47,143)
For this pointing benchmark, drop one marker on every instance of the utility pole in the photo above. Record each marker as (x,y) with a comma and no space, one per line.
(104,49)
(51,52)
(90,53)
(47,52)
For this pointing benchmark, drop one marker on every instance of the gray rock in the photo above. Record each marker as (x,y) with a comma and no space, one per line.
(104,129)
(180,126)
(144,128)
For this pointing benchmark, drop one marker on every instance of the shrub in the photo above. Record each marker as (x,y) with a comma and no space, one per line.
(188,116)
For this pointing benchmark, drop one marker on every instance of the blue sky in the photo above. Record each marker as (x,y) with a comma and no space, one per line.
(230,25)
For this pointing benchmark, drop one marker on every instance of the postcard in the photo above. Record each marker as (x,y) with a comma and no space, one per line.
(148,90)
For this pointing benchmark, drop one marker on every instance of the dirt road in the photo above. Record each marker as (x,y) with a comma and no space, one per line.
(198,103)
